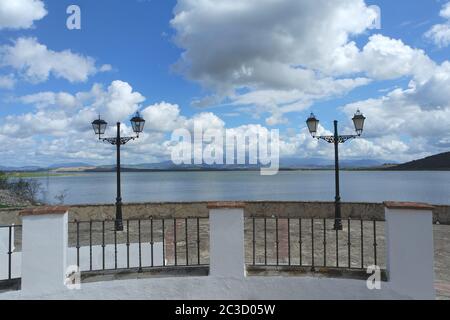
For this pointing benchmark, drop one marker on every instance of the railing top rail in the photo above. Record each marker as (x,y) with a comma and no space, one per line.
(310,218)
(140,219)
(10,225)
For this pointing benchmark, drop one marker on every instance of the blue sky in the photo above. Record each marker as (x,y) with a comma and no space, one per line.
(137,39)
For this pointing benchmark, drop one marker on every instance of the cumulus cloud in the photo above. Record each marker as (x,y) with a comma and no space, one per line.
(35,62)
(382,58)
(264,45)
(20,14)
(277,57)
(405,123)
(248,41)
(440,33)
(163,117)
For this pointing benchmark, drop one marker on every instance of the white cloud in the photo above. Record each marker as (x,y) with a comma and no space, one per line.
(258,37)
(20,14)
(163,117)
(277,57)
(440,33)
(266,46)
(35,62)
(50,99)
(382,58)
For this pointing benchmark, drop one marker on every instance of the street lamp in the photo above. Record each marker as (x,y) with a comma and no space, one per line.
(99,126)
(336,139)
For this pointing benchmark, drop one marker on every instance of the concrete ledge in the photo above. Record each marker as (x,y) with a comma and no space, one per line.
(226,205)
(408,205)
(145,272)
(208,288)
(10,285)
(305,271)
(44,210)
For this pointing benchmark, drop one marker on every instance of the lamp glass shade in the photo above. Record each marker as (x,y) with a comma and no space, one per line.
(358,121)
(99,126)
(137,122)
(313,124)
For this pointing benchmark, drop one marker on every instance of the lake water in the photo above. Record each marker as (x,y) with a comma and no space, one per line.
(358,186)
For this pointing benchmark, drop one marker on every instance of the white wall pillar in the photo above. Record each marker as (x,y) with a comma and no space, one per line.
(44,249)
(410,249)
(226,232)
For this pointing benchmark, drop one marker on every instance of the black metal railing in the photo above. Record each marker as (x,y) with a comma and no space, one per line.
(144,243)
(313,243)
(10,246)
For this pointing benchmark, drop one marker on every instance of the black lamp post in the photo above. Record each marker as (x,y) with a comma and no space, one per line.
(336,139)
(99,126)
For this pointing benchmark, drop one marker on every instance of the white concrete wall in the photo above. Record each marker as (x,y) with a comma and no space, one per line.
(226,243)
(97,256)
(4,239)
(410,252)
(44,252)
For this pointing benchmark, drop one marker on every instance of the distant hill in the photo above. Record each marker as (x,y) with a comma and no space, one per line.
(69,165)
(25,168)
(285,164)
(436,162)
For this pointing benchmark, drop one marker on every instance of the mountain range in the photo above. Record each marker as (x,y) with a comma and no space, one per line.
(436,162)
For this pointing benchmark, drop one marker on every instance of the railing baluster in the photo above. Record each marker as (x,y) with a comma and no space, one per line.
(103,244)
(78,245)
(128,243)
(151,240)
(277,242)
(90,245)
(349,244)
(140,247)
(163,243)
(115,246)
(375,241)
(337,248)
(324,242)
(362,244)
(289,241)
(198,241)
(265,241)
(9,251)
(186,240)
(300,242)
(312,245)
(254,241)
(175,240)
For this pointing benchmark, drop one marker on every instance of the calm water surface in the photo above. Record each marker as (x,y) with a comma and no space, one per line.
(358,186)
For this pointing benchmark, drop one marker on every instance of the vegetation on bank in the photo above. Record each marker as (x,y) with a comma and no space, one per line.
(18,191)
(34,174)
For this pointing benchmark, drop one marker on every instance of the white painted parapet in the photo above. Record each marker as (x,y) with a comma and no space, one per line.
(410,252)
(44,249)
(226,232)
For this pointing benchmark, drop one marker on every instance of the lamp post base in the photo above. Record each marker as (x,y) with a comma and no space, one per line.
(119,225)
(338,225)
